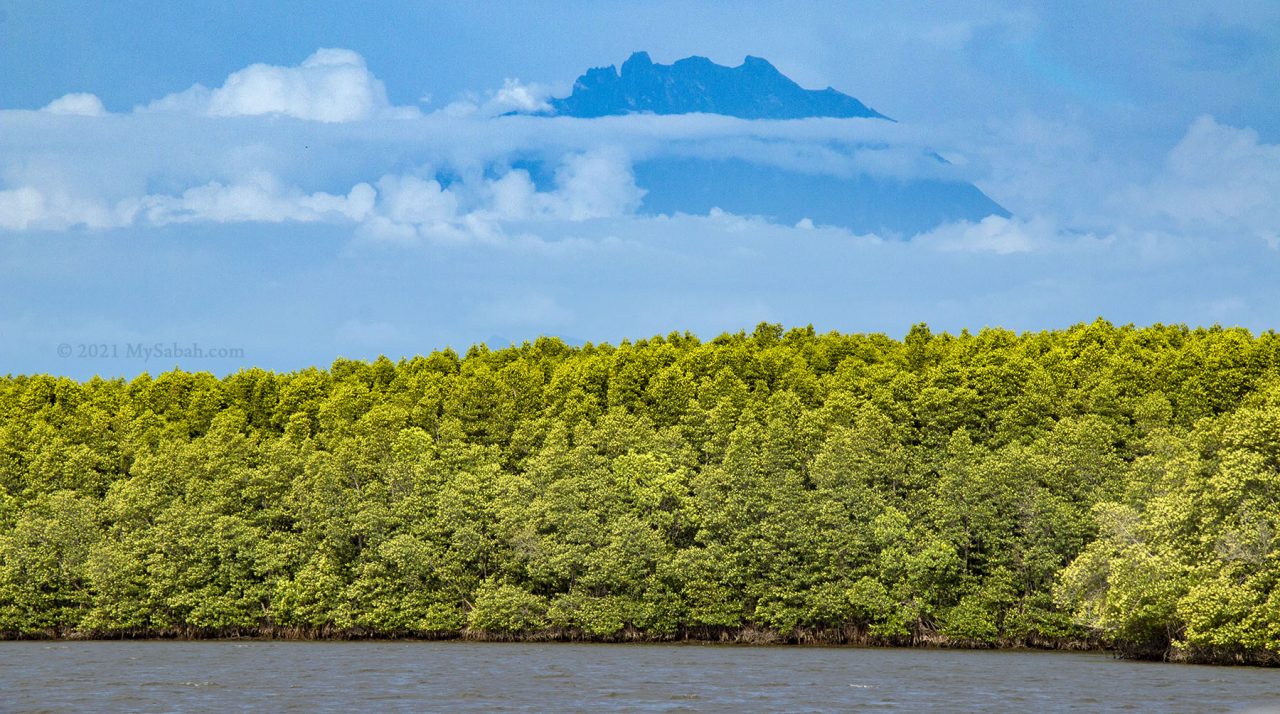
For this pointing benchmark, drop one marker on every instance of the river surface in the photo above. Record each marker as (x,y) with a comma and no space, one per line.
(222,676)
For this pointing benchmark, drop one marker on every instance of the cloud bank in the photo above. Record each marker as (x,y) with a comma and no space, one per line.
(332,85)
(511,226)
(76,103)
(1218,178)
(320,142)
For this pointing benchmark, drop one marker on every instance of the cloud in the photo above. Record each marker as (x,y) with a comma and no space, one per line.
(260,198)
(409,208)
(1217,185)
(595,184)
(513,97)
(626,276)
(993,234)
(21,208)
(410,199)
(518,96)
(1032,164)
(28,208)
(466,173)
(1217,182)
(590,185)
(225,155)
(332,85)
(458,180)
(77,103)
(1217,179)
(395,207)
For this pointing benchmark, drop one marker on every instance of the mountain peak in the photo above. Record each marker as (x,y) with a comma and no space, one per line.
(758,63)
(637,62)
(753,90)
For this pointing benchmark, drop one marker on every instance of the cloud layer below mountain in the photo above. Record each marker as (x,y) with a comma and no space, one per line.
(313,141)
(303,189)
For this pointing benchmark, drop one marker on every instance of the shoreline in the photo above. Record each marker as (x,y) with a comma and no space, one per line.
(742,637)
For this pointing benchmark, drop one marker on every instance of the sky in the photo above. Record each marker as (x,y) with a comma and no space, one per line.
(227,185)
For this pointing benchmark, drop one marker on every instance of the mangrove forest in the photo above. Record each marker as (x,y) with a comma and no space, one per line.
(1100,486)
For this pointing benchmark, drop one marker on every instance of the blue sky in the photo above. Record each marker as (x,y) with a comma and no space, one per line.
(270,177)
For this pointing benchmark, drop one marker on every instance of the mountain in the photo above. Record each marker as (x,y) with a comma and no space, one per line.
(676,181)
(862,203)
(753,90)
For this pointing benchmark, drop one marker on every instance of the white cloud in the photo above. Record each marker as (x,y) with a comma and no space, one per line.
(1217,179)
(401,208)
(591,185)
(180,159)
(388,179)
(513,97)
(732,222)
(409,199)
(77,103)
(595,184)
(332,85)
(513,196)
(993,234)
(20,208)
(28,208)
(258,198)
(518,96)
(380,229)
(1036,165)
(1216,183)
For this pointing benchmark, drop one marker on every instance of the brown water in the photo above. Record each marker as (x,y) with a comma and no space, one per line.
(463,676)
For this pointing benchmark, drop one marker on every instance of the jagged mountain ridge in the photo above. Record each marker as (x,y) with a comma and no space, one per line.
(681,183)
(753,90)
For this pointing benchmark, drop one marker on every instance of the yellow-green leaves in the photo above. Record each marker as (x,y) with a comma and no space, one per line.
(1098,482)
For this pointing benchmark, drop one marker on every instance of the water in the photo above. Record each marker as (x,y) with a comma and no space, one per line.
(462,676)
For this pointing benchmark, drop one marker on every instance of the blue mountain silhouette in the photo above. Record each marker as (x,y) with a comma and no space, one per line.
(753,90)
(863,203)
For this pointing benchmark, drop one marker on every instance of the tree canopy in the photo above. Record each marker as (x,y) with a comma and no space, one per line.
(1094,485)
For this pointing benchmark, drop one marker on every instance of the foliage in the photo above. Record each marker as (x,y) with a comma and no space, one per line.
(993,488)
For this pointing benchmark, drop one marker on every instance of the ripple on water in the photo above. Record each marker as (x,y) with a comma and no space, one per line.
(543,677)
